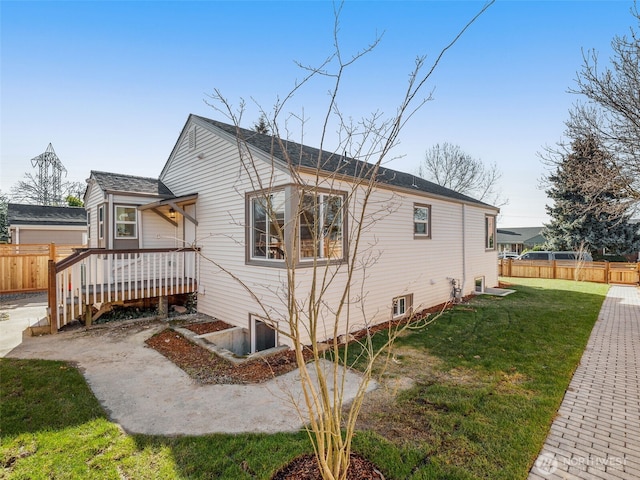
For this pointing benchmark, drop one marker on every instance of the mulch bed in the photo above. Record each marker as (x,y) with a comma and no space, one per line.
(208,368)
(305,467)
(207,327)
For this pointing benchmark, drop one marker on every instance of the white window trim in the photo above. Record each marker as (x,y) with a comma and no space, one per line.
(101,222)
(125,222)
(403,300)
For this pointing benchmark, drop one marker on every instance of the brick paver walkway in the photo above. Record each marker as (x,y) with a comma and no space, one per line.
(596,434)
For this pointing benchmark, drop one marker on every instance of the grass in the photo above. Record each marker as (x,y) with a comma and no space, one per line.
(499,371)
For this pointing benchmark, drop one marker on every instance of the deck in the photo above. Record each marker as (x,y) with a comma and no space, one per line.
(92,279)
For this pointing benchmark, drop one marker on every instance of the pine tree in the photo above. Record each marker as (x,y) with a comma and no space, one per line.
(262,126)
(580,217)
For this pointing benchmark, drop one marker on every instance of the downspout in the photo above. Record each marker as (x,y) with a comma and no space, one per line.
(464,251)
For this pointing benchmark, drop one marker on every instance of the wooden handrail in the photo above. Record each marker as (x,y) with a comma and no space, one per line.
(84,253)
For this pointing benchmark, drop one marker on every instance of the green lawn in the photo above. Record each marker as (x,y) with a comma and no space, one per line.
(502,367)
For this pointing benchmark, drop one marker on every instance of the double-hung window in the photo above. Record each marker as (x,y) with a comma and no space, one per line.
(421,221)
(126,222)
(321,233)
(267,226)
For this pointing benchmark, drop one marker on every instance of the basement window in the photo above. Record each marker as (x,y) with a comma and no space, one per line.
(402,305)
(263,335)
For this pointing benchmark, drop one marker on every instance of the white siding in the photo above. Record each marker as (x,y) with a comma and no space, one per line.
(221,183)
(95,196)
(403,265)
(157,232)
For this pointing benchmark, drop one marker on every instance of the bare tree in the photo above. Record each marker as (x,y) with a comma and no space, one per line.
(316,306)
(611,112)
(449,166)
(31,190)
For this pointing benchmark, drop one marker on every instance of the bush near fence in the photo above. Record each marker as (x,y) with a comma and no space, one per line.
(599,272)
(23,267)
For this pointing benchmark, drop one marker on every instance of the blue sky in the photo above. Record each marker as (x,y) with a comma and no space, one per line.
(110,84)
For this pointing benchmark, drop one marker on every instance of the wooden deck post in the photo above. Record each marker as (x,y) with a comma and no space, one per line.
(163,306)
(51,295)
(52,251)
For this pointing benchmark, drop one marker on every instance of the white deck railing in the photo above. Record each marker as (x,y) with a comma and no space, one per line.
(96,276)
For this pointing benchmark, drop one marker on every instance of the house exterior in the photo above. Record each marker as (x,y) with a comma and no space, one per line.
(130,212)
(251,214)
(33,224)
(517,240)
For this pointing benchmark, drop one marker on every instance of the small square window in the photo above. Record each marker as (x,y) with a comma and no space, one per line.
(126,222)
(402,305)
(421,221)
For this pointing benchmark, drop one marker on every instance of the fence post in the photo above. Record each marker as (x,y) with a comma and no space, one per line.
(553,269)
(607,280)
(51,296)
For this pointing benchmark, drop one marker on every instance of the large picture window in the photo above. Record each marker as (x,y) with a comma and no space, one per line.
(490,232)
(321,226)
(126,222)
(267,226)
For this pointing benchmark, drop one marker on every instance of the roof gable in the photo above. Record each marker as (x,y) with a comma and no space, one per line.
(21,214)
(119,183)
(310,157)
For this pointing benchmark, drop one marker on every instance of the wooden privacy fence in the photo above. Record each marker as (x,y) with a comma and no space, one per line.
(23,267)
(600,272)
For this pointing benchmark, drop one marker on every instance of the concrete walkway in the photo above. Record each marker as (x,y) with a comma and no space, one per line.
(596,434)
(17,313)
(146,393)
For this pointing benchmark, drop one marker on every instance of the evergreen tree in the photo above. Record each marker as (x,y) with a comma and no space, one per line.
(4,224)
(579,216)
(262,126)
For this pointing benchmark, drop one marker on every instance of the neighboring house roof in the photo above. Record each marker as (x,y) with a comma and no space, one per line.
(119,183)
(19,214)
(524,235)
(306,156)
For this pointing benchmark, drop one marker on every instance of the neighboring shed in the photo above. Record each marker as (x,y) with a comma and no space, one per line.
(46,224)
(517,240)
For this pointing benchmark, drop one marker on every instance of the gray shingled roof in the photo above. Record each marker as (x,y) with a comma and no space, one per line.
(117,182)
(524,235)
(20,214)
(307,156)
